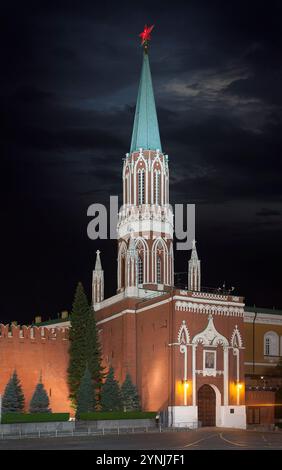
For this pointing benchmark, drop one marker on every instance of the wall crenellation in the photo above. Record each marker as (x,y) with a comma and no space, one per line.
(32,333)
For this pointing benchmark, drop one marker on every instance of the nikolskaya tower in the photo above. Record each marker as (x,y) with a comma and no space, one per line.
(145,221)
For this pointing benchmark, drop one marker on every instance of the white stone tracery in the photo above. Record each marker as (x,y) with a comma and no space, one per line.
(212,338)
(208,308)
(183,341)
(236,338)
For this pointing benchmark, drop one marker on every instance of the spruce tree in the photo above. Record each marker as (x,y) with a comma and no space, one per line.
(110,394)
(93,351)
(13,398)
(39,402)
(129,394)
(85,395)
(77,350)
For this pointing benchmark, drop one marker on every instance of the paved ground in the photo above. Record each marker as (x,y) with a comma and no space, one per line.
(205,438)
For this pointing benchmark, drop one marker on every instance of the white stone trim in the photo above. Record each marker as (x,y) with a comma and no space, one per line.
(225,376)
(123,312)
(146,277)
(223,310)
(270,364)
(210,336)
(208,301)
(263,318)
(210,371)
(236,333)
(194,399)
(184,329)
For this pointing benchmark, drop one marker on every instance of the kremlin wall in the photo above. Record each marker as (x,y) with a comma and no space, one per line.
(32,351)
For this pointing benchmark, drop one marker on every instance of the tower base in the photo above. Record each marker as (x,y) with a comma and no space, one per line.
(226,417)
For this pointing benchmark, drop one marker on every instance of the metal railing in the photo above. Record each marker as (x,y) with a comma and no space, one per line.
(95,432)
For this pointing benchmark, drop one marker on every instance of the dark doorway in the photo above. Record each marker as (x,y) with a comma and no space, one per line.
(206,405)
(253,415)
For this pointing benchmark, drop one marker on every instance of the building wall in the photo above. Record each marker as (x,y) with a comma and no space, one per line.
(32,351)
(136,334)
(144,338)
(256,362)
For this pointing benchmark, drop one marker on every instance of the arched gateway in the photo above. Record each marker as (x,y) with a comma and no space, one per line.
(207,406)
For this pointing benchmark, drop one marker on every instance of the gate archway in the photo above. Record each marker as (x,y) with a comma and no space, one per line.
(207,405)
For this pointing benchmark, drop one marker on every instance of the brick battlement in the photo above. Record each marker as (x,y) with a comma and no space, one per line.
(32,333)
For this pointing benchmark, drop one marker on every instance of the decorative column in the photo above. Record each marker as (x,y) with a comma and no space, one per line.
(194,349)
(225,374)
(183,350)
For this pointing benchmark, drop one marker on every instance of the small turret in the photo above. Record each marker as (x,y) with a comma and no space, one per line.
(98,281)
(194,270)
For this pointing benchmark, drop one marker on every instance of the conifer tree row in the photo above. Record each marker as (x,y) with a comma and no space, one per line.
(114,398)
(84,349)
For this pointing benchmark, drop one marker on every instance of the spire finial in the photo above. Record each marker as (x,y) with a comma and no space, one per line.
(146,37)
(98,265)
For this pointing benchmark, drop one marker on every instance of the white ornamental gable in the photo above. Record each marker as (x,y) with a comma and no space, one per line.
(210,336)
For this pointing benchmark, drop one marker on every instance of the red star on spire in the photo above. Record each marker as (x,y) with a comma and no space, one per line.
(146,34)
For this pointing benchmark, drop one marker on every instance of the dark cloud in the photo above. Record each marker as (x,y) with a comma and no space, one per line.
(264,212)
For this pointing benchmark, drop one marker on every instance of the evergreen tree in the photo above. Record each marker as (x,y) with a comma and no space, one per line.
(77,351)
(93,351)
(129,394)
(85,395)
(110,394)
(40,401)
(13,398)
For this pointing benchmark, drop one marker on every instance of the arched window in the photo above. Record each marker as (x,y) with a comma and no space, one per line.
(140,270)
(157,187)
(126,190)
(141,189)
(159,270)
(271,344)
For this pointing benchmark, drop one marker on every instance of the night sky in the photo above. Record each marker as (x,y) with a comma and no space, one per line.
(69,81)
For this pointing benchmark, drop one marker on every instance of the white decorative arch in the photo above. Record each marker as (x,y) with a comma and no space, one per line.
(162,172)
(121,252)
(210,336)
(183,339)
(217,405)
(271,343)
(236,338)
(142,241)
(140,157)
(157,242)
(183,336)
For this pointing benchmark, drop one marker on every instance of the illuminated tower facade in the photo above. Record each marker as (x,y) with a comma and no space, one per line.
(145,224)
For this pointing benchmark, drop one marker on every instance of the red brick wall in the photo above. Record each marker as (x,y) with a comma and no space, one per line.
(264,400)
(139,342)
(31,356)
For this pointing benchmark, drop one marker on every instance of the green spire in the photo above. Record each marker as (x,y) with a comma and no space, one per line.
(145,133)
